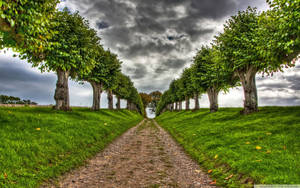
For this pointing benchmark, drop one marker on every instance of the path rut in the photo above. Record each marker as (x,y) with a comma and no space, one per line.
(144,156)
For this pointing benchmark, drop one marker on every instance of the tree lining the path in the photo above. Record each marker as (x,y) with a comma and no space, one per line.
(63,42)
(251,43)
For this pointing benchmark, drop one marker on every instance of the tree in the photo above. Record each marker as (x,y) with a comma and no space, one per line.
(135,101)
(279,31)
(24,25)
(146,99)
(179,93)
(122,88)
(238,46)
(164,103)
(155,97)
(210,74)
(103,76)
(73,54)
(111,71)
(173,97)
(189,89)
(15,100)
(95,76)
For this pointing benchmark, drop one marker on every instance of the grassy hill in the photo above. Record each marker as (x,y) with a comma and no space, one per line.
(239,150)
(39,143)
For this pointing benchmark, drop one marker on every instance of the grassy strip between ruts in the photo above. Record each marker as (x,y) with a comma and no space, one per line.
(238,150)
(37,144)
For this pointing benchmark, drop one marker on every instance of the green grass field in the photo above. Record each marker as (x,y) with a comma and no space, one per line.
(37,144)
(238,150)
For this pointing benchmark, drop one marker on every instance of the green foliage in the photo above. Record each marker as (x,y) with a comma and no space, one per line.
(106,70)
(174,87)
(226,141)
(146,99)
(188,88)
(155,97)
(209,71)
(25,24)
(37,144)
(4,99)
(75,49)
(280,31)
(239,41)
(165,99)
(123,85)
(136,99)
(124,88)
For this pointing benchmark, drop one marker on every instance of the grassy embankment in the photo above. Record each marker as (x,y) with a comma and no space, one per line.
(39,143)
(238,150)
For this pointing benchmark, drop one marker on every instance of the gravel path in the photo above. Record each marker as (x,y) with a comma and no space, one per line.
(144,156)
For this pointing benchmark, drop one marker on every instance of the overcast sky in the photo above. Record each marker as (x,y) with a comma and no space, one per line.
(155,39)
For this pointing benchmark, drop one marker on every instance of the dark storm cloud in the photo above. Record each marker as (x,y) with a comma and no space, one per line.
(138,71)
(102,25)
(17,81)
(155,85)
(148,48)
(170,64)
(290,82)
(132,18)
(290,101)
(143,28)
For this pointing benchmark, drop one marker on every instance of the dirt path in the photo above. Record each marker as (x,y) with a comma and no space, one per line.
(145,156)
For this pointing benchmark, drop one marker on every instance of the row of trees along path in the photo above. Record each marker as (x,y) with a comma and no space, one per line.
(63,42)
(252,42)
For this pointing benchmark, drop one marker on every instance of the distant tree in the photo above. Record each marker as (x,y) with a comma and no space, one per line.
(211,75)
(189,88)
(14,100)
(146,99)
(173,96)
(95,77)
(103,75)
(180,93)
(155,97)
(122,88)
(164,103)
(112,70)
(135,101)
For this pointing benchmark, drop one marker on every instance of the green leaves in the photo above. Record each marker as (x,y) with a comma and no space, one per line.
(279,28)
(23,21)
(73,48)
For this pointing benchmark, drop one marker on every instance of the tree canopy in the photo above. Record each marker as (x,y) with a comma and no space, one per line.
(25,24)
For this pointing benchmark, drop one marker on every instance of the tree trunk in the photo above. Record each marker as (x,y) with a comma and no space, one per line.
(250,91)
(196,98)
(97,90)
(172,106)
(61,95)
(128,105)
(213,99)
(180,105)
(110,99)
(118,103)
(187,103)
(176,106)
